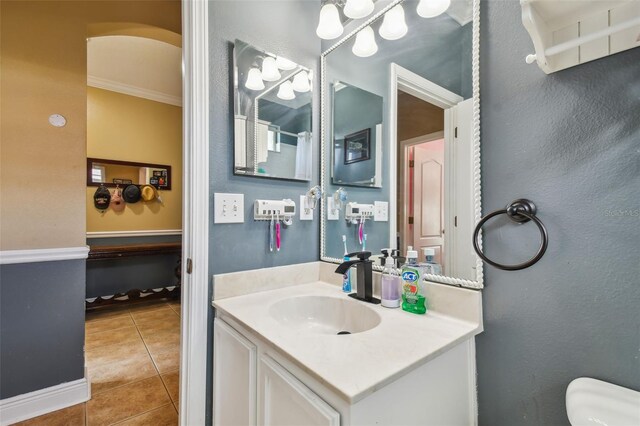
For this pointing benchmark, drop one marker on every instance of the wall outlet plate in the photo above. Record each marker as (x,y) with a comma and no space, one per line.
(380,211)
(306,212)
(228,208)
(332,212)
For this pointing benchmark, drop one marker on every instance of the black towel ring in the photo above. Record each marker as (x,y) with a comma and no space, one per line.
(519,211)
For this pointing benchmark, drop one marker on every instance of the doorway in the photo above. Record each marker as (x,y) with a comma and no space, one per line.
(423,128)
(134,150)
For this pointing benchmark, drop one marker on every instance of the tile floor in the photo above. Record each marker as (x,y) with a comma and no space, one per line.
(132,355)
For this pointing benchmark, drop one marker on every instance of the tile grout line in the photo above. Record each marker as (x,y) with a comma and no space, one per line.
(139,414)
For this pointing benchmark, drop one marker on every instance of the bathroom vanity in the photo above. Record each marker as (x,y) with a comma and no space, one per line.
(279,358)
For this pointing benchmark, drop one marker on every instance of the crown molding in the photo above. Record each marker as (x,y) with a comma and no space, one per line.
(127,89)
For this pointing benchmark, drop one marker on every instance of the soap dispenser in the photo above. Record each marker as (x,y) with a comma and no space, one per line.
(390,283)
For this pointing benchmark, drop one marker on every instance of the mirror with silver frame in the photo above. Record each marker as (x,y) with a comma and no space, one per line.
(273,109)
(401,98)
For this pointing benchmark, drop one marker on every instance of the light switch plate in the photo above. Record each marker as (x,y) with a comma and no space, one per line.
(228,208)
(332,212)
(380,211)
(306,213)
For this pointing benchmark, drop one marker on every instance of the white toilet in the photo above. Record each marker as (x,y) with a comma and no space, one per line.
(593,402)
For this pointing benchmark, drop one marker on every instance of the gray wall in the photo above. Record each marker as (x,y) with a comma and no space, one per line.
(285,28)
(570,142)
(41,325)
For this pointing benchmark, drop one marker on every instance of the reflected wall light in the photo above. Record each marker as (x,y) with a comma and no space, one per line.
(301,82)
(432,8)
(357,9)
(285,91)
(365,44)
(270,70)
(393,26)
(254,79)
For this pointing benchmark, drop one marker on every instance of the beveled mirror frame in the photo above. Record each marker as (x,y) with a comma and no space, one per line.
(477,195)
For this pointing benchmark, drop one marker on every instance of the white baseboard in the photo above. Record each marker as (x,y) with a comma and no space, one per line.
(43,401)
(8,257)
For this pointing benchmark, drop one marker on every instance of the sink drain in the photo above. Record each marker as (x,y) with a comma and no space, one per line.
(343,332)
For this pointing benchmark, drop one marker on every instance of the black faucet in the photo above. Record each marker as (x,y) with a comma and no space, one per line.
(364,267)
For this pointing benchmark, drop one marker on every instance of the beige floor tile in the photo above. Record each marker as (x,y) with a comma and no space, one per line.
(126,401)
(148,306)
(149,328)
(172,382)
(112,353)
(154,317)
(108,324)
(161,335)
(167,361)
(159,347)
(120,373)
(71,416)
(163,416)
(108,312)
(112,337)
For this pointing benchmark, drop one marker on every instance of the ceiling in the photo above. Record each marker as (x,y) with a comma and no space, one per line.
(136,66)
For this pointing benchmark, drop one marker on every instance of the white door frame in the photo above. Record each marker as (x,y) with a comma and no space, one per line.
(409,82)
(195,212)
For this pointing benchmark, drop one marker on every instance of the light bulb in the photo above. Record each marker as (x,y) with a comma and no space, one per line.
(432,8)
(285,64)
(393,26)
(254,79)
(329,25)
(365,44)
(285,91)
(356,9)
(270,71)
(301,82)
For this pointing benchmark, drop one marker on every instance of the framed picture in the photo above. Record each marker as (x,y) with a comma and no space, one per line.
(357,146)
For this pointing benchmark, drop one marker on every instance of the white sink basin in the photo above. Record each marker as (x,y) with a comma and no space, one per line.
(324,315)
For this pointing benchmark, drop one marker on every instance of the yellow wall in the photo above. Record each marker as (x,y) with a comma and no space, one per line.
(122,127)
(43,67)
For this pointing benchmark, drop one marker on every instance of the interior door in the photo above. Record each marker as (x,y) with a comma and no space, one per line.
(428,195)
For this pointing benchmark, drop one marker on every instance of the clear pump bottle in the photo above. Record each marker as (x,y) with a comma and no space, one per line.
(391,285)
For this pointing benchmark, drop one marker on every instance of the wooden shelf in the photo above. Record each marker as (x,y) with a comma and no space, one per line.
(123,251)
(569,33)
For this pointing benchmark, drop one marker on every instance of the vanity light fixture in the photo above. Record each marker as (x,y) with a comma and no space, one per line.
(329,25)
(365,44)
(270,70)
(432,8)
(285,64)
(285,91)
(393,26)
(356,9)
(301,82)
(254,80)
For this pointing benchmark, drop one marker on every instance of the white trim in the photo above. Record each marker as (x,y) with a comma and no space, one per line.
(138,92)
(43,401)
(195,213)
(142,233)
(9,257)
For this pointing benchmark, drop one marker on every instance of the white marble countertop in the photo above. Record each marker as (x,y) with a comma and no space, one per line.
(356,365)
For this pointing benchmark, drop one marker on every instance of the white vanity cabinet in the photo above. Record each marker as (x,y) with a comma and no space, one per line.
(234,369)
(255,383)
(285,400)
